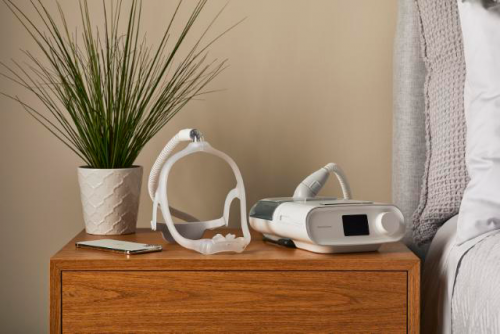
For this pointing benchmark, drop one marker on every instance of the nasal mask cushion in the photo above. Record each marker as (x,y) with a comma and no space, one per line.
(189,234)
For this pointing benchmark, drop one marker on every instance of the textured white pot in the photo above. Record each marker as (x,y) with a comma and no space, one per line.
(110,199)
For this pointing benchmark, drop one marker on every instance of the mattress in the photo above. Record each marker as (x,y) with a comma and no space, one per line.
(436,279)
(459,283)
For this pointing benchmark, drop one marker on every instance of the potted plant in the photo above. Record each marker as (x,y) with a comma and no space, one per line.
(105,94)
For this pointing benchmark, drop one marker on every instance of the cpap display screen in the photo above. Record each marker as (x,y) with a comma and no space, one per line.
(355,225)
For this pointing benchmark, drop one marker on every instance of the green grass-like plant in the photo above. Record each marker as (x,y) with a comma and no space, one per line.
(106,93)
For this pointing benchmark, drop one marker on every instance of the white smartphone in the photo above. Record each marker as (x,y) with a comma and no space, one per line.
(118,246)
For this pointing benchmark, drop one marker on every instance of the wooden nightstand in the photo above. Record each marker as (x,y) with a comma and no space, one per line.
(265,289)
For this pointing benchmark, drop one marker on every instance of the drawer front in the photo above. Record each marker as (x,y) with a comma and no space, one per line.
(234,301)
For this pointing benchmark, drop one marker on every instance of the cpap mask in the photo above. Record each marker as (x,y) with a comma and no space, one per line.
(189,234)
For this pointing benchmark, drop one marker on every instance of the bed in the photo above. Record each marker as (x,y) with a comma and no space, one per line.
(459,290)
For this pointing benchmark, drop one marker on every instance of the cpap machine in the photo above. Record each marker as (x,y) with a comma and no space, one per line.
(327,225)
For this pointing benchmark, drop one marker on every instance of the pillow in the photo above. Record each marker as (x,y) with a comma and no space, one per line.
(445,175)
(480,210)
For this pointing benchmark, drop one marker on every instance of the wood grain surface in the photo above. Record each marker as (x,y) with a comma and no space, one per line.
(55,298)
(264,289)
(257,256)
(234,302)
(414,299)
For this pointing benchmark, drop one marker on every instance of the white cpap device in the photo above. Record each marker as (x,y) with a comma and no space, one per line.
(327,225)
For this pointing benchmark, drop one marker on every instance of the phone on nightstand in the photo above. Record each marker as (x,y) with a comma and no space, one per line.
(118,246)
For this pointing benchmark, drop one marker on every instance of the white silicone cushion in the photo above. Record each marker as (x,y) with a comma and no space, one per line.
(480,209)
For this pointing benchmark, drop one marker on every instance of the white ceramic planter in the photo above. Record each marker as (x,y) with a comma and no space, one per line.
(110,199)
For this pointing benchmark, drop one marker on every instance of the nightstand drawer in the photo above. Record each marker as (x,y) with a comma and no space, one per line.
(234,301)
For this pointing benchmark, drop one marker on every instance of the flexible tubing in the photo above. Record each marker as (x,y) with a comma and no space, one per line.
(154,175)
(334,168)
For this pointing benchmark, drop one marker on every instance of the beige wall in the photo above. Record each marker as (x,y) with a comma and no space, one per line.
(309,83)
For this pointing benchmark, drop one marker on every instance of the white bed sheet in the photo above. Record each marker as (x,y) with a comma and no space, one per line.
(439,277)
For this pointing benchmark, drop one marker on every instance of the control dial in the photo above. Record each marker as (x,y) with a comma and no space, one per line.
(387,223)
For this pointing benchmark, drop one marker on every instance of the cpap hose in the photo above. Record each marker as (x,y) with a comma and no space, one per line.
(154,175)
(312,184)
(344,184)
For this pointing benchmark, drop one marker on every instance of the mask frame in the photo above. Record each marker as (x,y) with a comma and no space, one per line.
(189,235)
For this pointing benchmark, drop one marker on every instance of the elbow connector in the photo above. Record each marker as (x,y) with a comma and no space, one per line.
(313,184)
